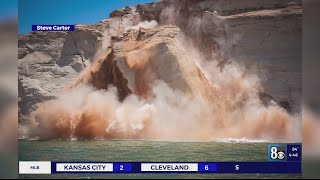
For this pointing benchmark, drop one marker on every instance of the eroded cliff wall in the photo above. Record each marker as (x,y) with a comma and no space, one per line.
(228,58)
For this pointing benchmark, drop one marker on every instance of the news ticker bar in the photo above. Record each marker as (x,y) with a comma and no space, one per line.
(48,167)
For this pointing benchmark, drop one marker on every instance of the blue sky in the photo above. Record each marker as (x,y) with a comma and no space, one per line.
(67,12)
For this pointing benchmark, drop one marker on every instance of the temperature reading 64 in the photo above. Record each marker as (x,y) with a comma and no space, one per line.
(294,152)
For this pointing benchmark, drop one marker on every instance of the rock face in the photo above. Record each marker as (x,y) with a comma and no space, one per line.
(271,49)
(265,36)
(140,57)
(49,61)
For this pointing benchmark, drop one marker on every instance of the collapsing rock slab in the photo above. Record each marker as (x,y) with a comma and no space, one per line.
(139,59)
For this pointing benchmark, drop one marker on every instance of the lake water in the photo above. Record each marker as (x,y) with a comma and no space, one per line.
(140,150)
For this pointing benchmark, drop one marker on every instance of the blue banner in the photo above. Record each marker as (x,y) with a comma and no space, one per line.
(53,28)
(178,167)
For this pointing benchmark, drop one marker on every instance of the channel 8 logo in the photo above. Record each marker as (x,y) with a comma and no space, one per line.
(277,152)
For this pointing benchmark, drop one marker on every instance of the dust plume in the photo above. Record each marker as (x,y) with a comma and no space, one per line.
(145,24)
(167,114)
(224,102)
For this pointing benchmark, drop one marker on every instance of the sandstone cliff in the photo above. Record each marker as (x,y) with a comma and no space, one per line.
(140,45)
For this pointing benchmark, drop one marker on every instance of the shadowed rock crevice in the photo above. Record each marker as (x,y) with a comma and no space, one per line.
(109,73)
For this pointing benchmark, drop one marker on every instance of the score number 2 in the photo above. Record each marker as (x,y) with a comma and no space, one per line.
(122,167)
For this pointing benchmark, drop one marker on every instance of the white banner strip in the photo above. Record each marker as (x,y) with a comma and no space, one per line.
(84,167)
(34,167)
(169,167)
